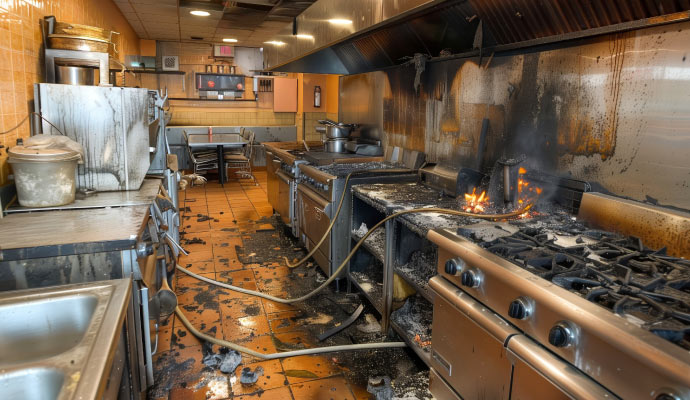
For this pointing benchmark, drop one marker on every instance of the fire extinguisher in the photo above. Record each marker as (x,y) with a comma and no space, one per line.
(317,96)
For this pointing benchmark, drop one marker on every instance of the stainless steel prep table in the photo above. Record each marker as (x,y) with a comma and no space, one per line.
(109,240)
(219,141)
(144,196)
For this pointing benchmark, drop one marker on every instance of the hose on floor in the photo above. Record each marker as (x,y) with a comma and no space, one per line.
(294,353)
(353,251)
(337,211)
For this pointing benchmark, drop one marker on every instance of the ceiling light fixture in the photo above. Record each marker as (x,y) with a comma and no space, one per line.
(339,21)
(275,42)
(304,36)
(200,13)
(230,40)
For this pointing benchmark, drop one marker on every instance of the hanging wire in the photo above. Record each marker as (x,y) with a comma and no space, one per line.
(27,117)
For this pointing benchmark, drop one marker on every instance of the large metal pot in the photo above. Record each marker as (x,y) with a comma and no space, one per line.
(335,145)
(72,75)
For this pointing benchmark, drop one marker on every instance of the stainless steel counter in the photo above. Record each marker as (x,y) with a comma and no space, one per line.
(144,196)
(65,232)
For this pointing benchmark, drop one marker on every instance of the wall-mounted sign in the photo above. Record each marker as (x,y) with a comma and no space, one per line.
(223,51)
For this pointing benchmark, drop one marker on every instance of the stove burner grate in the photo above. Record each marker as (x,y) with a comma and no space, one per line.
(648,288)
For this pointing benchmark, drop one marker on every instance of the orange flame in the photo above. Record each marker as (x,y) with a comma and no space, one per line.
(476,202)
(527,194)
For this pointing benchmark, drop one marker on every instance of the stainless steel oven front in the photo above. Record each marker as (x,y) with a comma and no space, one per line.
(478,354)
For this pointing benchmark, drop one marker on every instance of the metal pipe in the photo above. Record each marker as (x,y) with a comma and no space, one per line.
(388,276)
(506,184)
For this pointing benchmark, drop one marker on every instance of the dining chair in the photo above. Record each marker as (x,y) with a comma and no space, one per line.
(202,160)
(243,162)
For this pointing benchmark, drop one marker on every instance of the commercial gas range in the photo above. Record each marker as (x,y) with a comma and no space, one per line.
(549,307)
(318,196)
(284,175)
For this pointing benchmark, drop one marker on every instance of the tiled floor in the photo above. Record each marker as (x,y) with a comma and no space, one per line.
(235,212)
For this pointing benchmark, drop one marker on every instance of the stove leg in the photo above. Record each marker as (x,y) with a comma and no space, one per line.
(221,165)
(388,276)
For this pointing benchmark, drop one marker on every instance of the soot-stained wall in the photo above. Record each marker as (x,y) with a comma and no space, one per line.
(613,110)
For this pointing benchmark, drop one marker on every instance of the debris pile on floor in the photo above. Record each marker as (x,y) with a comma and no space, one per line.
(225,360)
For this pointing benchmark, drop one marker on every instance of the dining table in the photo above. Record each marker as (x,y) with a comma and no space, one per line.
(219,141)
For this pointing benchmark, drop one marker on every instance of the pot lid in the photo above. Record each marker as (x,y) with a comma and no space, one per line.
(31,153)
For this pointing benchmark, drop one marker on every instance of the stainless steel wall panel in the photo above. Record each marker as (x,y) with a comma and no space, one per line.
(111,123)
(613,110)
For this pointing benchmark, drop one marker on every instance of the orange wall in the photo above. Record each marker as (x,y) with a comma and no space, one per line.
(21,58)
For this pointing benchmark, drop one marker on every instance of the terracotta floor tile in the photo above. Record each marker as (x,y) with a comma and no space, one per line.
(261,344)
(271,378)
(199,267)
(282,393)
(182,369)
(334,388)
(246,215)
(197,256)
(237,328)
(181,338)
(273,307)
(284,321)
(228,265)
(243,278)
(193,228)
(360,392)
(246,306)
(294,340)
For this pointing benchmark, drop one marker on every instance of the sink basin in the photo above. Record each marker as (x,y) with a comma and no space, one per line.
(59,343)
(32,383)
(43,328)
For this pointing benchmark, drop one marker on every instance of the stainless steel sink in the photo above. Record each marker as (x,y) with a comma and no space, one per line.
(59,342)
(43,328)
(32,383)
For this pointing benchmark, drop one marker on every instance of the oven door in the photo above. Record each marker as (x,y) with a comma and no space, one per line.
(284,198)
(540,374)
(313,224)
(467,345)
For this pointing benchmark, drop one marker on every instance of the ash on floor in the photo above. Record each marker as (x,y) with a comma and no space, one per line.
(415,318)
(421,267)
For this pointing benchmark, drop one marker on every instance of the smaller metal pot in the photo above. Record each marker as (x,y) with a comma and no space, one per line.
(335,145)
(337,131)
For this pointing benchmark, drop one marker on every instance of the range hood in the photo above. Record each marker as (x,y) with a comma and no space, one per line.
(355,36)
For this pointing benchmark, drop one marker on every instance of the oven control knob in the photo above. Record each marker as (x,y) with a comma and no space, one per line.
(455,266)
(562,334)
(521,308)
(471,278)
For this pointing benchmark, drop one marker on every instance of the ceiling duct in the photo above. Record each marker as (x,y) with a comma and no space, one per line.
(390,32)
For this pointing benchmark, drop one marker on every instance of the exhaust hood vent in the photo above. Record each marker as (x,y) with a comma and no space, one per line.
(392,31)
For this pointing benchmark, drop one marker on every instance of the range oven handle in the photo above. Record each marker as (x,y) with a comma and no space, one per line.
(283,177)
(561,374)
(474,310)
(320,201)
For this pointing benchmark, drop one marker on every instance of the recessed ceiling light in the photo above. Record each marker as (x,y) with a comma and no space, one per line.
(340,21)
(200,13)
(230,40)
(275,42)
(304,36)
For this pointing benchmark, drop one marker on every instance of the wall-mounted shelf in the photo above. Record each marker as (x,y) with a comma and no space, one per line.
(158,72)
